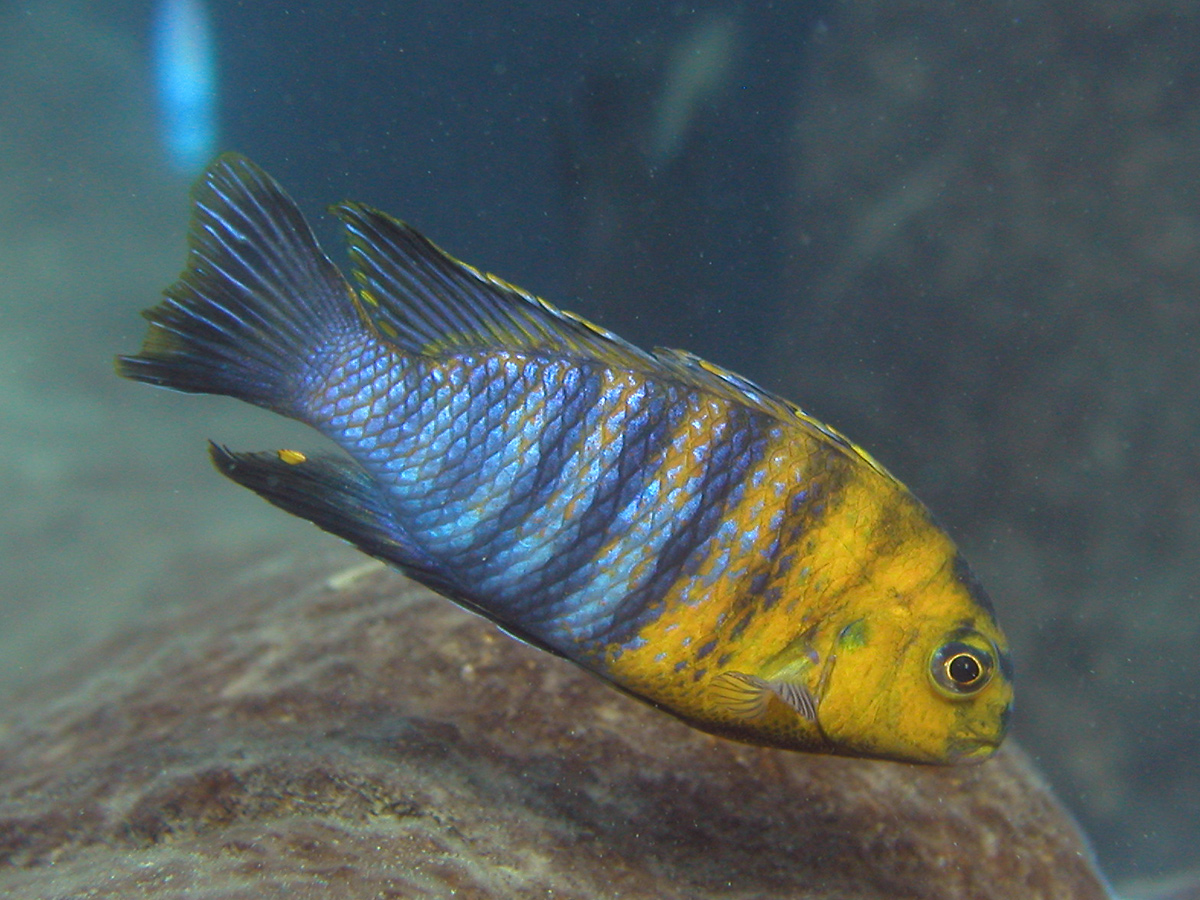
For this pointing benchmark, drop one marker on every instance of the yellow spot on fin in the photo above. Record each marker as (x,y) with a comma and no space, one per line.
(747,696)
(291,457)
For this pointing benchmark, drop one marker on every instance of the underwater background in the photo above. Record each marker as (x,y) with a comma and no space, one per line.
(967,236)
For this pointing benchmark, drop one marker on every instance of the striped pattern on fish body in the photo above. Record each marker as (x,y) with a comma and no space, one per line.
(668,525)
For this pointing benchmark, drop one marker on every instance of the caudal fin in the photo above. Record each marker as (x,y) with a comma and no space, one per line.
(256,300)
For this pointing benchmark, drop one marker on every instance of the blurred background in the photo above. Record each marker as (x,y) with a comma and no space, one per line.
(966,235)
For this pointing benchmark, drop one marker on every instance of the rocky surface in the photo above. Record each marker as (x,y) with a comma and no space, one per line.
(323,727)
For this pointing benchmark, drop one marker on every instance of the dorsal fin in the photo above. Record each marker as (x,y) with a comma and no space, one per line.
(426,301)
(691,369)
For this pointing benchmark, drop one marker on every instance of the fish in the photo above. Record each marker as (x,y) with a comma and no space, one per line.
(683,534)
(185,75)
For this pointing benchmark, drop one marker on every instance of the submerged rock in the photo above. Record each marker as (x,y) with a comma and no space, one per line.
(327,727)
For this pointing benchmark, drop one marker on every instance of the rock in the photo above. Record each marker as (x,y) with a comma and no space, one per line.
(324,726)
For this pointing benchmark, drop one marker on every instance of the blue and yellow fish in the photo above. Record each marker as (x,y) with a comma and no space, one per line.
(667,525)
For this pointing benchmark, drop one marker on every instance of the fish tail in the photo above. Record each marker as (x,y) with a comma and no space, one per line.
(256,300)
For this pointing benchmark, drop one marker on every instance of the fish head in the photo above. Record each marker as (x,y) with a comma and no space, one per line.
(924,677)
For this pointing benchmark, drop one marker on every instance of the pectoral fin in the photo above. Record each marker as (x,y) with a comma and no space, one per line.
(797,696)
(747,696)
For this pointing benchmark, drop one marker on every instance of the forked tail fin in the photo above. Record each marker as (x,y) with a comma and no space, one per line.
(256,300)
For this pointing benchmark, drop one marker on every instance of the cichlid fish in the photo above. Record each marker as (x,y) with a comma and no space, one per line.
(669,526)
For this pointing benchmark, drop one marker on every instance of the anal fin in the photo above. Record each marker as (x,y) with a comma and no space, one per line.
(336,496)
(339,497)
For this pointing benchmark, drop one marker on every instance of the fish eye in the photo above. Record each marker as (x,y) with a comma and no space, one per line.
(960,670)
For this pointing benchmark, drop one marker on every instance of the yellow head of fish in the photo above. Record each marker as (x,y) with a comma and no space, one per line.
(927,678)
(914,666)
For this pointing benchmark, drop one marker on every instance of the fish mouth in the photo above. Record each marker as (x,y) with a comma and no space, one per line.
(971,750)
(976,746)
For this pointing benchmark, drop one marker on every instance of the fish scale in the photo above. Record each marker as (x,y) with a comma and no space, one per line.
(670,526)
(478,518)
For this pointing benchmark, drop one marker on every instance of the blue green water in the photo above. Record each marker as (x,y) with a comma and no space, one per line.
(967,238)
